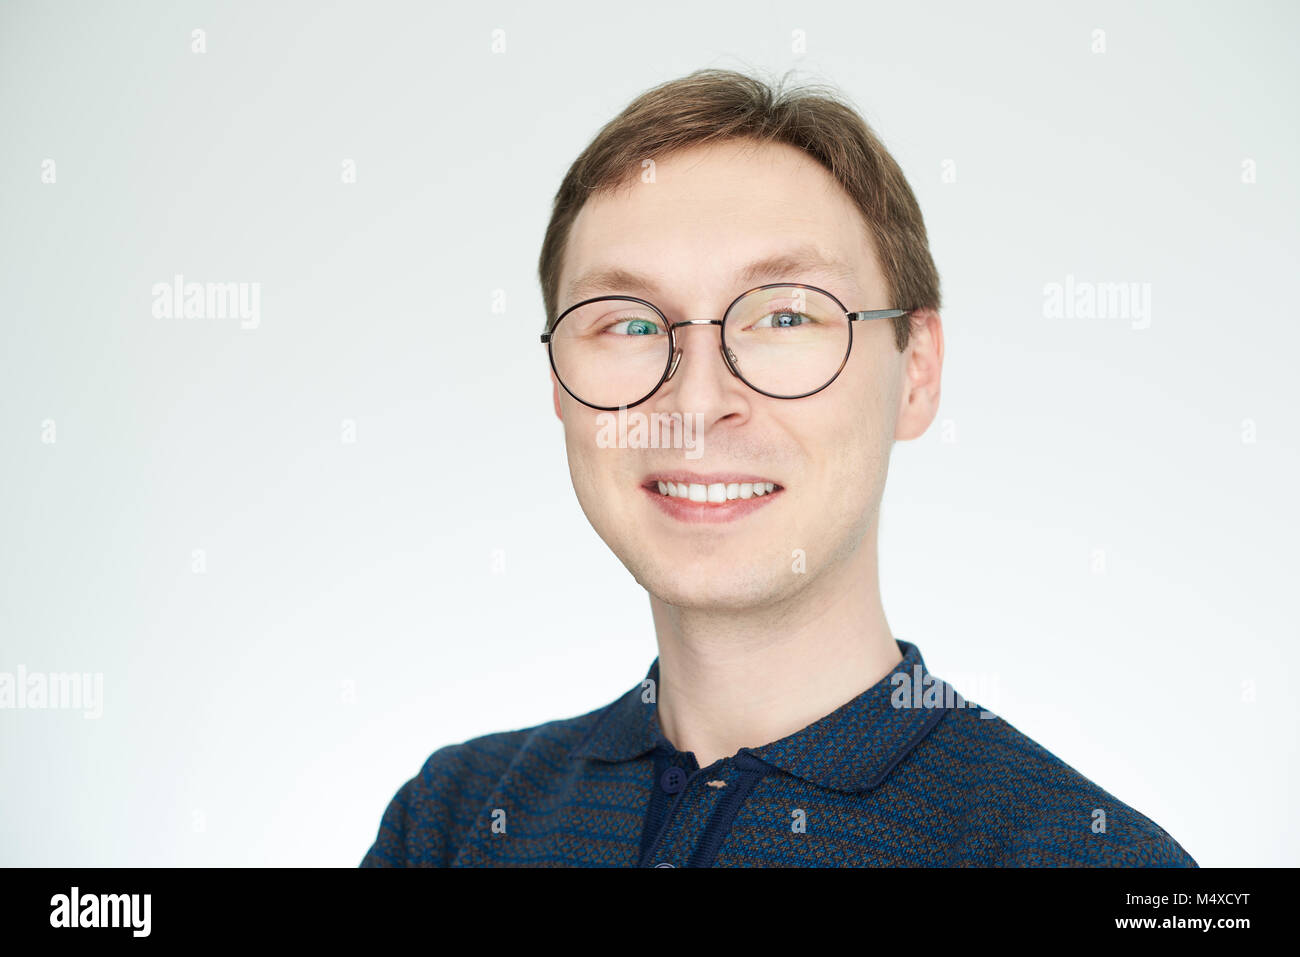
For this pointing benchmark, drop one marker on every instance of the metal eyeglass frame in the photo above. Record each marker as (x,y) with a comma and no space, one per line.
(674,354)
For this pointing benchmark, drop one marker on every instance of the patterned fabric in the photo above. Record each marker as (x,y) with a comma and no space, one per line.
(906,774)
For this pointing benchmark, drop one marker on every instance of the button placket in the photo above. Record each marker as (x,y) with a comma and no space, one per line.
(672,780)
(713,784)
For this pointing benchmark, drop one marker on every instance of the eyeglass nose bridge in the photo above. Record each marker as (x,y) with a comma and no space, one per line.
(677,353)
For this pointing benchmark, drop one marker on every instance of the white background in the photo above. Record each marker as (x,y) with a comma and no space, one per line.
(1097,536)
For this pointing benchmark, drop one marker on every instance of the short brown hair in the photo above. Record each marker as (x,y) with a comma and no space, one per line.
(712,105)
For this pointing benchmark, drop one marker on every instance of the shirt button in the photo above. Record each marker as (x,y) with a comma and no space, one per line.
(673,780)
(663,864)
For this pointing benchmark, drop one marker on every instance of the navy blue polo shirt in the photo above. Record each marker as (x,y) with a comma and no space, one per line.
(908,773)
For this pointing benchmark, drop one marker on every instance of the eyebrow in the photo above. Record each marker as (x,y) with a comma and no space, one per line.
(790,264)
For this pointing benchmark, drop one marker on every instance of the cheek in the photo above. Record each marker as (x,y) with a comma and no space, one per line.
(593,469)
(874,373)
(857,430)
(582,452)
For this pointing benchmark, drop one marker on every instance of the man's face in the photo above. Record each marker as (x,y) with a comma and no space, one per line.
(707,215)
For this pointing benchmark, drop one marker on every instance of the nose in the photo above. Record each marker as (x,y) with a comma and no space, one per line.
(728,357)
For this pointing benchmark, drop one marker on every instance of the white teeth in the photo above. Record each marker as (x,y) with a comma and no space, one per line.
(714,492)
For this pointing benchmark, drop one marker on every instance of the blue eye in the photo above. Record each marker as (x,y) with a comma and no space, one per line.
(787,320)
(636,327)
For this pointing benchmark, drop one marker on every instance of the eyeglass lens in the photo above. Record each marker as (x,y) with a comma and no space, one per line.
(785,341)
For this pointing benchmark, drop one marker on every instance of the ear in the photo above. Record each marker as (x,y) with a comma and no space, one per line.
(555,395)
(922,365)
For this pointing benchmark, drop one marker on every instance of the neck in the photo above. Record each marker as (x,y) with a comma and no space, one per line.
(729,679)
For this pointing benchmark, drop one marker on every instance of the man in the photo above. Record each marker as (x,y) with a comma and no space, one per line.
(747,268)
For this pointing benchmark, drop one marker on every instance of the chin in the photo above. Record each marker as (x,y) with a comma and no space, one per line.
(713,585)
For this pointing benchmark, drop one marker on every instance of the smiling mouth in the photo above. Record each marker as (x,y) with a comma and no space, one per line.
(710,493)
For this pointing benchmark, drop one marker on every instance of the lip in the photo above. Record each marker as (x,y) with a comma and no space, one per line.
(708,513)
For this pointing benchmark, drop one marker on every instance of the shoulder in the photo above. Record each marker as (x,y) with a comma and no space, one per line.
(422,824)
(1028,808)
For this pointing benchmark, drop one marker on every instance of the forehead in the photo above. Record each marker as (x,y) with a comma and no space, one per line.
(696,229)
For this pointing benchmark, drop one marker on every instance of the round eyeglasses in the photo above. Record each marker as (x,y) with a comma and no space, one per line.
(783,340)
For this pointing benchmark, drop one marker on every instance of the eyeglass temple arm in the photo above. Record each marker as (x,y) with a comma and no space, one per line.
(877,314)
